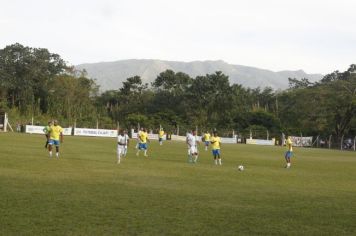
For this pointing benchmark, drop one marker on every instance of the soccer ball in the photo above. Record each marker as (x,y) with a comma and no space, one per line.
(240,167)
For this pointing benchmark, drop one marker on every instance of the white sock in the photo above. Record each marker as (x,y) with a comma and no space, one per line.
(118,159)
(216,162)
(219,161)
(50,154)
(138,152)
(196,158)
(145,152)
(57,154)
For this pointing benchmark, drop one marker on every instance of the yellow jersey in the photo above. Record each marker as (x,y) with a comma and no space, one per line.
(215,142)
(143,137)
(206,137)
(289,145)
(161,133)
(55,131)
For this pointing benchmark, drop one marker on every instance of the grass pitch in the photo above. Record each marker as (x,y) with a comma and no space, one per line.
(87,193)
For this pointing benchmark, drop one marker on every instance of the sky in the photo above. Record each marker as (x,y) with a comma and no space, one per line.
(317,36)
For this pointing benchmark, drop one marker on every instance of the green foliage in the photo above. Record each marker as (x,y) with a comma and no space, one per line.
(37,83)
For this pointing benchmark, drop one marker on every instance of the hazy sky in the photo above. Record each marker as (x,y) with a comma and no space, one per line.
(318,36)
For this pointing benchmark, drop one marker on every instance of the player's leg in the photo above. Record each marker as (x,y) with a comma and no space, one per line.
(119,152)
(125,151)
(47,139)
(215,157)
(190,155)
(219,157)
(206,146)
(57,149)
(139,147)
(195,155)
(50,144)
(145,149)
(287,157)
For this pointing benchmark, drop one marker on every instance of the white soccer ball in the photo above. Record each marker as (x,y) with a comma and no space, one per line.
(240,167)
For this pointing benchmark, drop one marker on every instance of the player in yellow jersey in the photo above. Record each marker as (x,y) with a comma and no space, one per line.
(55,137)
(138,137)
(289,152)
(142,145)
(215,145)
(206,139)
(160,136)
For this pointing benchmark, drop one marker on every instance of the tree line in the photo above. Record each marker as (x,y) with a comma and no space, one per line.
(35,82)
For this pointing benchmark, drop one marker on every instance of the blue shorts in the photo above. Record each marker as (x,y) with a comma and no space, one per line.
(216,152)
(289,154)
(53,142)
(142,146)
(207,143)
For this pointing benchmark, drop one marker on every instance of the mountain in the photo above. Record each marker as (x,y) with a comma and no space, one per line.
(110,75)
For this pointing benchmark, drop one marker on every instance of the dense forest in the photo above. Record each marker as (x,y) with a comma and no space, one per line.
(37,83)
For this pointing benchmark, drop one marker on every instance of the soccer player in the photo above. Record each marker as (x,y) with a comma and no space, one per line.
(46,132)
(122,143)
(289,152)
(55,137)
(138,137)
(192,143)
(215,144)
(206,138)
(160,136)
(142,145)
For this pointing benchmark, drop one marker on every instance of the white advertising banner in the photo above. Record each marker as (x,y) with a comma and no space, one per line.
(302,141)
(228,140)
(67,131)
(95,132)
(260,142)
(178,138)
(34,129)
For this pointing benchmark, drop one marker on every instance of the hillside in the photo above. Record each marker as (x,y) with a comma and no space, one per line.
(110,75)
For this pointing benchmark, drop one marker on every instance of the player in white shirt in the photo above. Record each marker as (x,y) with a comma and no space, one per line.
(192,142)
(122,143)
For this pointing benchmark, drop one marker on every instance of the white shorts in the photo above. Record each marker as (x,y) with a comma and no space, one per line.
(120,150)
(192,150)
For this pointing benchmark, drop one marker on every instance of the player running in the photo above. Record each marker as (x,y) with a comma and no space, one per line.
(142,145)
(56,136)
(160,136)
(215,143)
(206,139)
(289,152)
(192,143)
(122,144)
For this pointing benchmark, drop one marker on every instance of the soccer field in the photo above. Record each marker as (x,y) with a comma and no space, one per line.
(87,193)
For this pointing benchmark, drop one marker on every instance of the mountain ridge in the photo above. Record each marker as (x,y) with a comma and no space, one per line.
(110,75)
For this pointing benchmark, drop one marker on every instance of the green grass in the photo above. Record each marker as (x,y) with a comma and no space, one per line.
(86,193)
